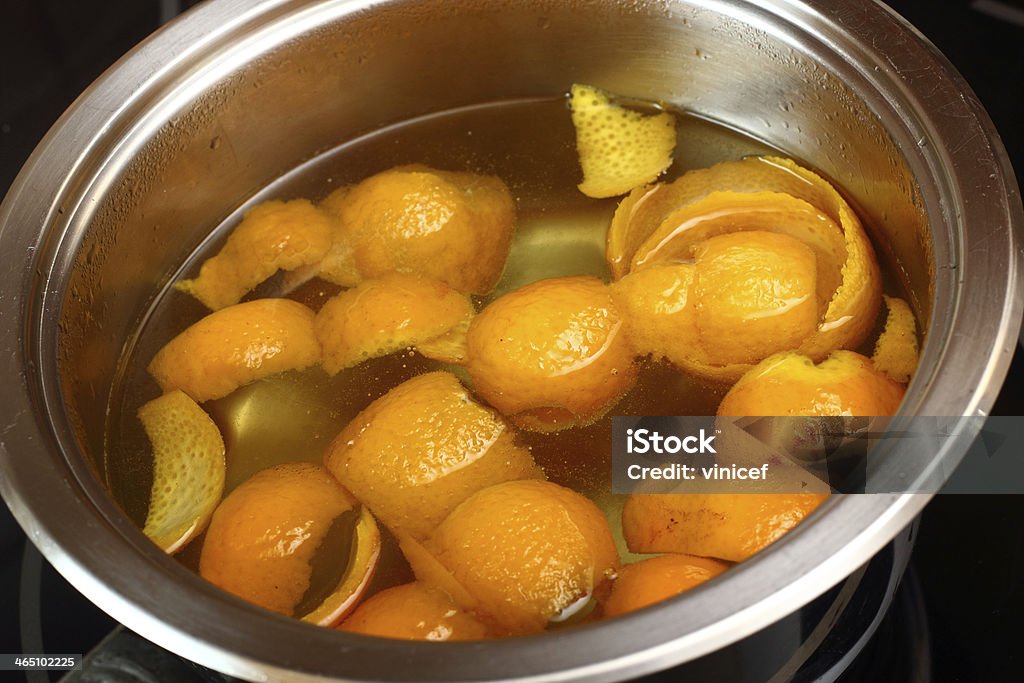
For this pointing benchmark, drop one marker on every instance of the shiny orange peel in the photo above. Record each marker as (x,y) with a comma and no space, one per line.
(237,345)
(450,226)
(391,313)
(417,452)
(274,235)
(264,535)
(655,579)
(667,224)
(790,384)
(552,354)
(896,352)
(414,611)
(528,552)
(188,469)
(726,526)
(618,148)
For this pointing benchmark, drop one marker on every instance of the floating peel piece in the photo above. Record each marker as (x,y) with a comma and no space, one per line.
(666,224)
(448,226)
(551,355)
(619,148)
(388,314)
(188,469)
(735,214)
(790,384)
(659,310)
(528,552)
(414,611)
(273,236)
(757,295)
(451,347)
(726,526)
(418,451)
(430,572)
(265,534)
(896,348)
(338,265)
(658,578)
(365,553)
(237,345)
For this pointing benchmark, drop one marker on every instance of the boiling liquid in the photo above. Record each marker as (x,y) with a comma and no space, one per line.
(530,144)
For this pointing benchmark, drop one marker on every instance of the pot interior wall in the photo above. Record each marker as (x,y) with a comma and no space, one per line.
(240,110)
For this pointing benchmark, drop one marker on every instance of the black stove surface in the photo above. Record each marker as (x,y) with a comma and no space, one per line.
(959,613)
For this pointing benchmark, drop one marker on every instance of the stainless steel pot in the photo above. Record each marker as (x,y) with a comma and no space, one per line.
(132,178)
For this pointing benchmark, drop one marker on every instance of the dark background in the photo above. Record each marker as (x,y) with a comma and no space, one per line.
(969,556)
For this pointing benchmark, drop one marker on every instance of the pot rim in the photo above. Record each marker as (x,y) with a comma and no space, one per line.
(46,482)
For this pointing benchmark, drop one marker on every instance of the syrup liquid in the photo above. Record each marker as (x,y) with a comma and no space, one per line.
(530,144)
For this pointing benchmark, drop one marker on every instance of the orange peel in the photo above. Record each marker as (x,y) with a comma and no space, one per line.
(659,310)
(726,526)
(338,264)
(429,571)
(449,226)
(237,345)
(758,284)
(659,578)
(357,577)
(552,354)
(264,535)
(529,552)
(790,384)
(452,347)
(417,452)
(188,469)
(414,611)
(896,352)
(618,148)
(388,314)
(666,223)
(274,235)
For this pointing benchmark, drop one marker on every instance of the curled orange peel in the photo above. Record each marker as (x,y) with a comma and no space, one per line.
(618,148)
(391,313)
(666,223)
(188,469)
(896,351)
(353,584)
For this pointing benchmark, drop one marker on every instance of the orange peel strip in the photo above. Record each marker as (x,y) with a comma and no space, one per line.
(723,213)
(528,552)
(896,352)
(791,384)
(658,578)
(343,599)
(429,570)
(551,355)
(665,223)
(413,455)
(237,345)
(273,236)
(618,148)
(449,226)
(388,314)
(188,469)
(726,526)
(263,538)
(414,611)
(338,264)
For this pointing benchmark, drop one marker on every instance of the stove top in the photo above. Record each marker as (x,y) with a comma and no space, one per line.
(958,612)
